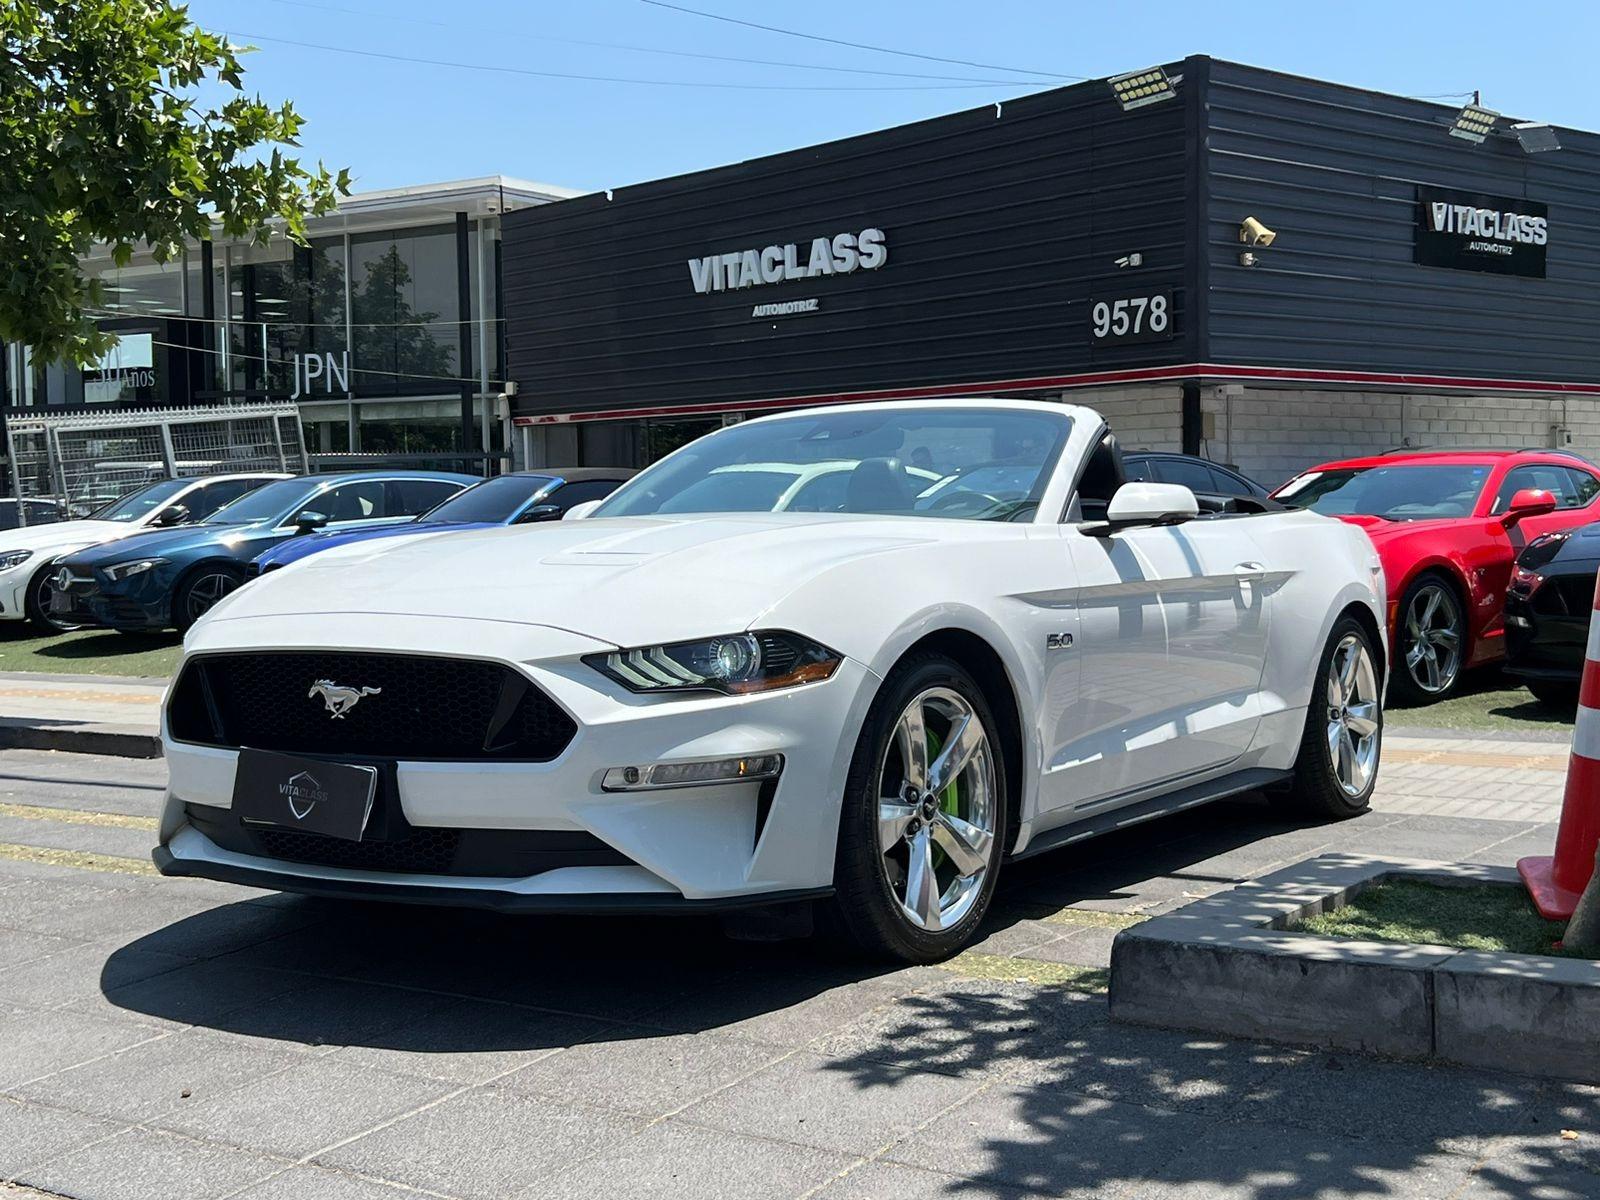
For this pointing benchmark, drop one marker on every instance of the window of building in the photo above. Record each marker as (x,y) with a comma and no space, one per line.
(404,312)
(285,300)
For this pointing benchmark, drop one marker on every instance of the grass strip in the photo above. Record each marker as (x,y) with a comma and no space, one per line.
(1093,980)
(1481,917)
(76,816)
(82,859)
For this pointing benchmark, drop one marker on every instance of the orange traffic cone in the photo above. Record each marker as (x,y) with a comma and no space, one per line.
(1556,882)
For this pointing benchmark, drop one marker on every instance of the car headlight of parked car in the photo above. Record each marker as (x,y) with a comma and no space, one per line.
(120,571)
(736,664)
(13,558)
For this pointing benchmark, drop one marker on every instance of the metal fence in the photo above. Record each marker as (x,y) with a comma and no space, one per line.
(84,460)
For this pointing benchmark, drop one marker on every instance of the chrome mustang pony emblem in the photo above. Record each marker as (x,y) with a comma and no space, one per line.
(337,697)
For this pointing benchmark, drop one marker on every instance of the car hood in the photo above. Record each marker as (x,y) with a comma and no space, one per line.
(163,542)
(627,581)
(64,533)
(316,543)
(1381,530)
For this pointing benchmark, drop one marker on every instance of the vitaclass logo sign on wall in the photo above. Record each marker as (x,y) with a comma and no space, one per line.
(838,254)
(1471,231)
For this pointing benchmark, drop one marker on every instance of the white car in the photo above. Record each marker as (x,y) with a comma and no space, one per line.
(873,707)
(26,554)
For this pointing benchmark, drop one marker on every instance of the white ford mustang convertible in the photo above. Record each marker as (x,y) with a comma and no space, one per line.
(967,640)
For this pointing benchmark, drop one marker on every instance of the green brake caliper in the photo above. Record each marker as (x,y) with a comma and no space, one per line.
(949,797)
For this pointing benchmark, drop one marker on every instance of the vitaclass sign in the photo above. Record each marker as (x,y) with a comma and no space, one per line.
(841,254)
(1470,231)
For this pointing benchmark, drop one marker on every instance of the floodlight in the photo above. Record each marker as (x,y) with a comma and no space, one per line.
(1474,123)
(1138,88)
(1535,136)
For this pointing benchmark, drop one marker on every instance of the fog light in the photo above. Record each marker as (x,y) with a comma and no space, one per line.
(690,774)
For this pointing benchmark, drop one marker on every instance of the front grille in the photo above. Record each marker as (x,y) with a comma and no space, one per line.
(1565,596)
(421,851)
(410,707)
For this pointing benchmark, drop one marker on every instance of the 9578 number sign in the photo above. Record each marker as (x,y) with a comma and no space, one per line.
(1141,318)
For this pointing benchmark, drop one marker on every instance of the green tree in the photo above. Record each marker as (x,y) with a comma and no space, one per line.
(105,137)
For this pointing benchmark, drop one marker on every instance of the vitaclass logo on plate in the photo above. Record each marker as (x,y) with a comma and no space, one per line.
(1473,232)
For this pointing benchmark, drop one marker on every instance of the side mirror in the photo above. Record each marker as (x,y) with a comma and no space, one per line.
(579,511)
(1148,504)
(307,520)
(1528,502)
(173,514)
(540,512)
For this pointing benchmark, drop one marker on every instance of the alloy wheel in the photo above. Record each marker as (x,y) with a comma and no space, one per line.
(205,591)
(1353,715)
(1433,639)
(936,809)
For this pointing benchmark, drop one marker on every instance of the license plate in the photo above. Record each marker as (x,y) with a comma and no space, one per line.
(333,799)
(61,602)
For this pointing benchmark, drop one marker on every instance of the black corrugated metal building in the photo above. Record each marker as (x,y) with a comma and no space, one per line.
(1420,289)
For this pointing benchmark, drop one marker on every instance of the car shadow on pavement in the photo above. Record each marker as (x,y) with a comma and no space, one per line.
(412,978)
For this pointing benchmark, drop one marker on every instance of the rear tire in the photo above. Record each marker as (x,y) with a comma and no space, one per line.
(196,595)
(899,887)
(1337,767)
(36,605)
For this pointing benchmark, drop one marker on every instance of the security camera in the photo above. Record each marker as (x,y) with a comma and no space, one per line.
(1253,233)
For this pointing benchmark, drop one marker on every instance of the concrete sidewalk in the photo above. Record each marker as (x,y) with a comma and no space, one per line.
(85,714)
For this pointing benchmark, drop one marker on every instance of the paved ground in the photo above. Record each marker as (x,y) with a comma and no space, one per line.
(165,1038)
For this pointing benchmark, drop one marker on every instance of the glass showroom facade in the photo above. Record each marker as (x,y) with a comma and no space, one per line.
(362,328)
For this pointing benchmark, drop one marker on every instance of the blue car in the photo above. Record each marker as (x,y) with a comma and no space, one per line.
(520,498)
(168,578)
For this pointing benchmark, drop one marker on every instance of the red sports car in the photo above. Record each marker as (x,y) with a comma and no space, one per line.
(1448,525)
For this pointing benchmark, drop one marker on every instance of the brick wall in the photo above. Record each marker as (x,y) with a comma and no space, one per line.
(1272,434)
(1144,417)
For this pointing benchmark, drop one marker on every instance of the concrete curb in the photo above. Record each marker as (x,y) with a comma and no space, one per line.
(1234,964)
(78,739)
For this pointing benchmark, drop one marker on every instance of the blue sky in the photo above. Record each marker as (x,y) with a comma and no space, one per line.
(395,123)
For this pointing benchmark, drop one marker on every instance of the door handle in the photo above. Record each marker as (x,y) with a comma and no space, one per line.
(1249,572)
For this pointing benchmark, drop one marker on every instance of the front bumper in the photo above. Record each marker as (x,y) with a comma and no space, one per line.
(14,590)
(1547,631)
(724,844)
(143,602)
(497,898)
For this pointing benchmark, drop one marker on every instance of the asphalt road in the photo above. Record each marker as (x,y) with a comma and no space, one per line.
(172,1038)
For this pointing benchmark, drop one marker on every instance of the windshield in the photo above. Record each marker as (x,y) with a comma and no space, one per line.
(265,503)
(978,464)
(141,503)
(494,500)
(1403,492)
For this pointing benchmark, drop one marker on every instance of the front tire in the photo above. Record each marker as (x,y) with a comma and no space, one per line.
(1430,641)
(36,605)
(1337,767)
(197,594)
(925,816)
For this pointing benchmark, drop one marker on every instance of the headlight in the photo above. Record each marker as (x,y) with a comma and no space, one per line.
(13,558)
(737,664)
(129,569)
